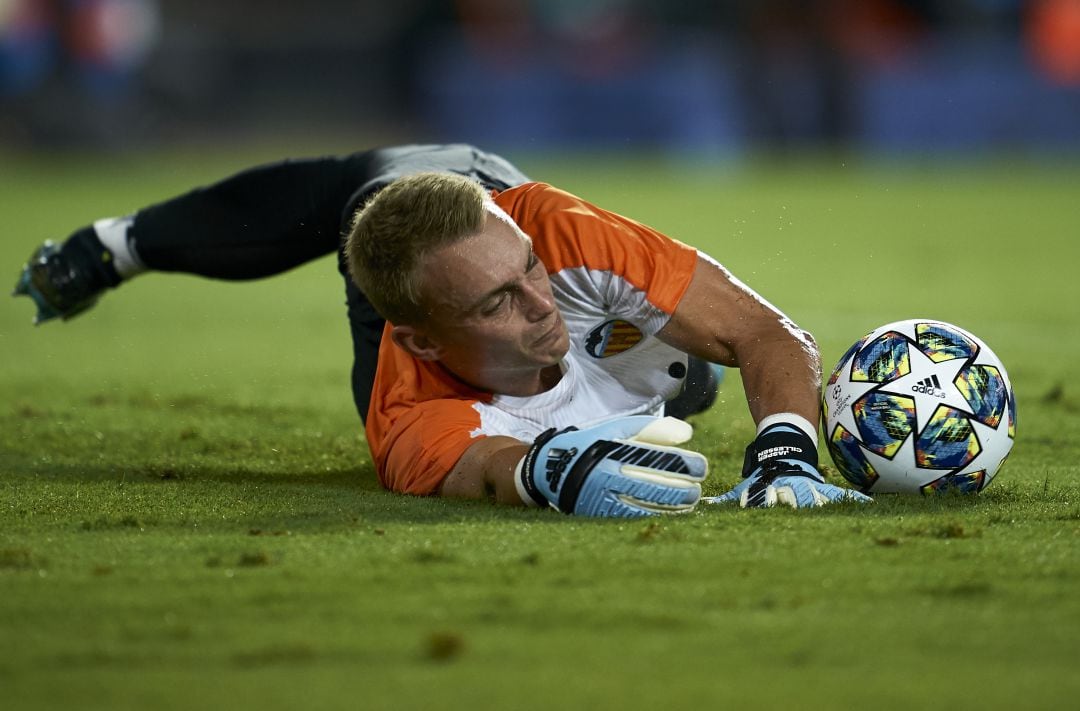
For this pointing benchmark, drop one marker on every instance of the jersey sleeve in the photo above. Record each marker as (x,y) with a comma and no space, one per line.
(420,421)
(423,445)
(569,233)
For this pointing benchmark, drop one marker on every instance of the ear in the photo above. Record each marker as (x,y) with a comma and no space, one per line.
(416,343)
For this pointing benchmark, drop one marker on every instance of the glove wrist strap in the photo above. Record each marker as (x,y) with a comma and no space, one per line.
(525,487)
(523,472)
(780,441)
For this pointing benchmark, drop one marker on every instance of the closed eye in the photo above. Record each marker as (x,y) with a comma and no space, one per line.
(495,304)
(499,298)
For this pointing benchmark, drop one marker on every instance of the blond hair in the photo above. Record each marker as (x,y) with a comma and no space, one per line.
(405,221)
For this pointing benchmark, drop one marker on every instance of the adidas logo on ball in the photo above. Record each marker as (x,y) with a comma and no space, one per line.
(929,386)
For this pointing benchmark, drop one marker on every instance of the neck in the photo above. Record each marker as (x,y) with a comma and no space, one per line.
(515,385)
(549,378)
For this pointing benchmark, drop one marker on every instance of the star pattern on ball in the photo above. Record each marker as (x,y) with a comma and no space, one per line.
(930,384)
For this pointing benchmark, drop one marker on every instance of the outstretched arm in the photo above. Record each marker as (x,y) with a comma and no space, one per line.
(722,320)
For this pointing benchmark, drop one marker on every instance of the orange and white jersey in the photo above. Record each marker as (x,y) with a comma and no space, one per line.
(616,283)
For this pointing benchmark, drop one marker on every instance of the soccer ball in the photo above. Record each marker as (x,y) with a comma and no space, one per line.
(919,406)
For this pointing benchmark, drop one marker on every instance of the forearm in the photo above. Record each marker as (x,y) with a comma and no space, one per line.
(722,320)
(782,373)
(486,471)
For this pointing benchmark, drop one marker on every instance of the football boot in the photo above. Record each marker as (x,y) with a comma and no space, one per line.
(62,281)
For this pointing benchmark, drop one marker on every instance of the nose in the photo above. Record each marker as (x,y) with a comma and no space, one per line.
(537,301)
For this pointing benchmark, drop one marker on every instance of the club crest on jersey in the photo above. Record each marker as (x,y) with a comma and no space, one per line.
(612,338)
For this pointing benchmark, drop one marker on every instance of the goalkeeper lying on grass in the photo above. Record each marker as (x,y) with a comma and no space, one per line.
(510,339)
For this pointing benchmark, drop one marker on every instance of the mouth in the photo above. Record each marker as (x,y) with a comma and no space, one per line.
(552,334)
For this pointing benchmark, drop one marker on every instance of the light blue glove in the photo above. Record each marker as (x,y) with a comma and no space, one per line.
(626,467)
(781,468)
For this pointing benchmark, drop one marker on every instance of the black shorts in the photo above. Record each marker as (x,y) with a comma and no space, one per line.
(384,165)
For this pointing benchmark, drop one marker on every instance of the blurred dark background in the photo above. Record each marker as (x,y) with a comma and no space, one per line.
(694,77)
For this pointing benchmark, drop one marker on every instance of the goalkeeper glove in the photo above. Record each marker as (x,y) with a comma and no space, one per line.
(626,467)
(781,467)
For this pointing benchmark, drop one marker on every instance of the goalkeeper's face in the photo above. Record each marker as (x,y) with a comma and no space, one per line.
(493,318)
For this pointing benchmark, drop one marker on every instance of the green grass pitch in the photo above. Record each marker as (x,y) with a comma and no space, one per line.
(189,517)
